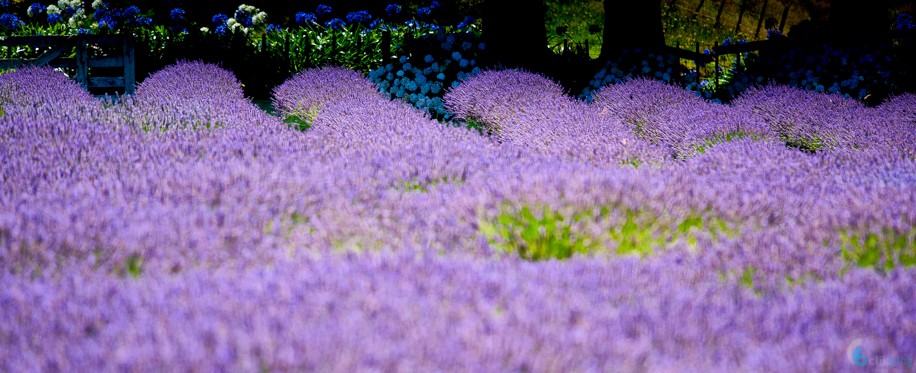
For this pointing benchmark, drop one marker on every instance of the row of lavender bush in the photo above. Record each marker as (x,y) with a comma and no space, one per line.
(184,229)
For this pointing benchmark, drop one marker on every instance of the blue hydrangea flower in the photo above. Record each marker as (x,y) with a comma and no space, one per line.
(423,12)
(221,30)
(468,21)
(11,22)
(36,8)
(376,24)
(361,17)
(272,28)
(904,22)
(335,24)
(84,31)
(177,14)
(322,9)
(303,18)
(220,19)
(456,56)
(393,10)
(428,58)
(131,11)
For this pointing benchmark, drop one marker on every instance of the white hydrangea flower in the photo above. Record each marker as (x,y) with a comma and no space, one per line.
(259,18)
(53,9)
(63,4)
(205,30)
(98,4)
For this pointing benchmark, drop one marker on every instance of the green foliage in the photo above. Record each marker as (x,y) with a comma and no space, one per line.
(808,144)
(132,266)
(576,22)
(425,186)
(540,232)
(720,139)
(747,277)
(302,119)
(882,251)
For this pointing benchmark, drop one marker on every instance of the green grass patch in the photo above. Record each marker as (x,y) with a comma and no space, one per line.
(538,233)
(883,251)
(721,139)
(541,232)
(302,119)
(427,185)
(132,266)
(806,144)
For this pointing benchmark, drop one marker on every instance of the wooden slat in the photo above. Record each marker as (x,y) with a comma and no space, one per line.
(14,63)
(106,82)
(111,61)
(50,55)
(69,63)
(689,55)
(743,48)
(32,40)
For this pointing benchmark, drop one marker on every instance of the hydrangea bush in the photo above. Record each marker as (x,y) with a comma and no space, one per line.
(447,60)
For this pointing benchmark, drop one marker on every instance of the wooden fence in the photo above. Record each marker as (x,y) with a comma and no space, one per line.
(702,59)
(94,58)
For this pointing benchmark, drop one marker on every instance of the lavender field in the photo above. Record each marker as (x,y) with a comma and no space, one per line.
(184,229)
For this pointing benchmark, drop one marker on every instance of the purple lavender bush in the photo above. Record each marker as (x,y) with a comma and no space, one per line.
(184,229)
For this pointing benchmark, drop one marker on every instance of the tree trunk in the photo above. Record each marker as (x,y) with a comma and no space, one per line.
(514,31)
(631,25)
(696,13)
(763,13)
(719,14)
(742,7)
(785,16)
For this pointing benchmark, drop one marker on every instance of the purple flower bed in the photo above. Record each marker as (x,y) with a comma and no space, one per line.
(184,229)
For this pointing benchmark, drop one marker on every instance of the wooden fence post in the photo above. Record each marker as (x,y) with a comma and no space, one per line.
(82,62)
(717,61)
(386,46)
(130,72)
